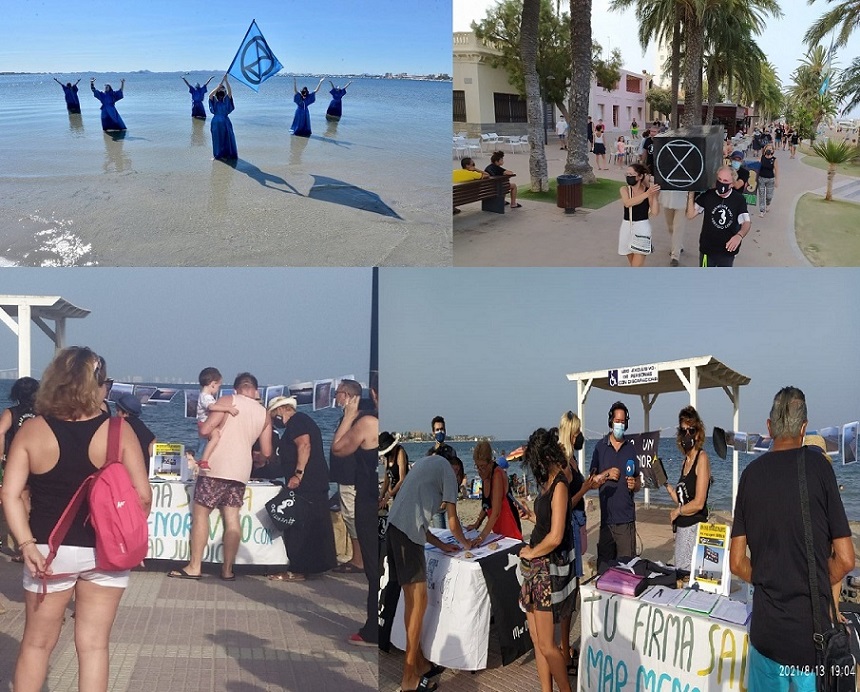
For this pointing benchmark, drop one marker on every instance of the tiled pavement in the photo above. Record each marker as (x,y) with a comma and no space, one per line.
(213,636)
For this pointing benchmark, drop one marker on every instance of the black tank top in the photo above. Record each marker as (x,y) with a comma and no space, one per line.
(543,516)
(686,490)
(640,211)
(52,490)
(19,413)
(392,469)
(766,168)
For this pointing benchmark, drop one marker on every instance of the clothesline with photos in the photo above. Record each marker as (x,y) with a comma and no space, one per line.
(838,440)
(319,394)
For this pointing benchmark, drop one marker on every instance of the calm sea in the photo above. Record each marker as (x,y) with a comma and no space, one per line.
(719,497)
(75,196)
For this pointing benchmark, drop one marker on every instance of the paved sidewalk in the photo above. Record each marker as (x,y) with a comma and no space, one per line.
(540,234)
(173,635)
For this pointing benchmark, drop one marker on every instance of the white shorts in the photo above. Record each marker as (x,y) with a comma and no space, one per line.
(74,563)
(639,231)
(347,508)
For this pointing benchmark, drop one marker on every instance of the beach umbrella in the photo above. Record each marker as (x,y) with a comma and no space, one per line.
(517,454)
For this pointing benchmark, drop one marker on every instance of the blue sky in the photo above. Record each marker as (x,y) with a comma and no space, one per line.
(283,325)
(489,349)
(781,40)
(334,37)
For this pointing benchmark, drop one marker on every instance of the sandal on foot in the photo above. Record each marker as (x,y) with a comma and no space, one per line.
(182,574)
(435,669)
(424,686)
(231,577)
(517,206)
(286,576)
(348,568)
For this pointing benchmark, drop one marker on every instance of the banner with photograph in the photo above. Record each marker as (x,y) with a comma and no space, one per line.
(323,394)
(303,391)
(849,442)
(192,396)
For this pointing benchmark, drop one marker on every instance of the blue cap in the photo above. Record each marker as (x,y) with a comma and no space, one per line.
(129,403)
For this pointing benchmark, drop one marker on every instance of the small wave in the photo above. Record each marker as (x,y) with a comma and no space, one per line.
(57,245)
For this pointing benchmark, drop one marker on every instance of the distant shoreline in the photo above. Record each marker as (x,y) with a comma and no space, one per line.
(403,76)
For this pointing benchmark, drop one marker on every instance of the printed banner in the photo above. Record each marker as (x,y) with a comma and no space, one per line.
(170,526)
(254,62)
(645,448)
(629,644)
(500,573)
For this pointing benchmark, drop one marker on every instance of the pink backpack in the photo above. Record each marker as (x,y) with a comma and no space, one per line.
(120,523)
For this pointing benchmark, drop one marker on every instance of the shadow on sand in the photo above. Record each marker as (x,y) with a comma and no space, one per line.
(328,189)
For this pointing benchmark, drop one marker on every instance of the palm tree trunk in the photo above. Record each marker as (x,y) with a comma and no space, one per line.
(528,50)
(713,93)
(831,174)
(695,42)
(580,88)
(676,66)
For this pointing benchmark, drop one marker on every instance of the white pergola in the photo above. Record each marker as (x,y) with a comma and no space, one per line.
(17,312)
(648,381)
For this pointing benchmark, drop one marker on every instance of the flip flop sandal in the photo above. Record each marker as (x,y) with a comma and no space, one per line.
(517,206)
(232,577)
(182,574)
(286,576)
(348,568)
(435,670)
(424,686)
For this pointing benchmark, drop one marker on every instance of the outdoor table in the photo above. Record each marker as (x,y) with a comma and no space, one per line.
(628,643)
(462,595)
(170,525)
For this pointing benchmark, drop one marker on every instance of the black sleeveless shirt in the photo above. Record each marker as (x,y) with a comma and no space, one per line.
(686,490)
(766,167)
(19,413)
(543,516)
(640,211)
(52,490)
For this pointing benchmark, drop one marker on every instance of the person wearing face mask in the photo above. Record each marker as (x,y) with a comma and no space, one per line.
(310,544)
(640,201)
(690,495)
(768,179)
(725,221)
(617,507)
(440,519)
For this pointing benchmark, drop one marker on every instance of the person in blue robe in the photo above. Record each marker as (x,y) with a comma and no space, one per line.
(111,121)
(198,93)
(302,120)
(334,108)
(70,91)
(221,105)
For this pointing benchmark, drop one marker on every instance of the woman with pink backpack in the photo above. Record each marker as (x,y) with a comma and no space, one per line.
(56,453)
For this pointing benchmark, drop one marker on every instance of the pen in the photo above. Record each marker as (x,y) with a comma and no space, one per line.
(659,592)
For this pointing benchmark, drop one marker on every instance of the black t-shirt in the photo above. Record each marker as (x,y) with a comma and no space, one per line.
(366,464)
(744,175)
(315,477)
(495,170)
(648,148)
(768,513)
(576,481)
(720,220)
(341,469)
(144,435)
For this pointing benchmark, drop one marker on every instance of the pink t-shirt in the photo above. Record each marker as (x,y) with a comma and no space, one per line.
(620,147)
(231,459)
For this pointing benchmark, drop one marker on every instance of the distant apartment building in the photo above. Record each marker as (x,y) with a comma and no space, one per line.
(485,101)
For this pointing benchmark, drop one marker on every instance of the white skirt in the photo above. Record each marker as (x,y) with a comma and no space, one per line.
(634,237)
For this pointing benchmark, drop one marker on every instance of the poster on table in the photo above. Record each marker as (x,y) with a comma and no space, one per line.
(849,442)
(170,526)
(168,462)
(710,563)
(650,468)
(630,644)
(323,394)
(303,391)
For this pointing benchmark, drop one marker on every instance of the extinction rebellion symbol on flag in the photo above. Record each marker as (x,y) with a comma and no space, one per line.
(254,62)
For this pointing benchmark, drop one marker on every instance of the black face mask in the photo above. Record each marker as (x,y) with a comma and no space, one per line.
(579,441)
(687,442)
(723,188)
(278,422)
(632,180)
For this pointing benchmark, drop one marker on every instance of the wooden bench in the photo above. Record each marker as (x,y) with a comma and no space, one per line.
(490,192)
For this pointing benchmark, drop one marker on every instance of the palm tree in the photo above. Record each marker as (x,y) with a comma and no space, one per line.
(834,153)
(529,49)
(846,13)
(580,87)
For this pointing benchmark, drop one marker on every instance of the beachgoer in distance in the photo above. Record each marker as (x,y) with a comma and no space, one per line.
(310,543)
(396,463)
(54,453)
(561,131)
(301,126)
(223,487)
(634,129)
(551,542)
(620,151)
(221,105)
(198,93)
(210,380)
(725,220)
(782,647)
(640,201)
(439,429)
(335,108)
(128,407)
(111,120)
(497,506)
(690,495)
(70,91)
(617,507)
(600,147)
(433,481)
(768,179)
(497,168)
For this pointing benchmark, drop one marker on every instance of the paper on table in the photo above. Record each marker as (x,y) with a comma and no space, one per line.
(662,595)
(731,611)
(491,544)
(698,601)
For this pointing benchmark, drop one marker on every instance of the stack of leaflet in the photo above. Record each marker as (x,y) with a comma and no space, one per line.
(698,601)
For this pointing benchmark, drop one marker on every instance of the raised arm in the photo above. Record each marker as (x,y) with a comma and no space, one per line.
(59,82)
(319,85)
(329,81)
(295,86)
(122,84)
(347,84)
(206,83)
(186,82)
(227,86)
(76,83)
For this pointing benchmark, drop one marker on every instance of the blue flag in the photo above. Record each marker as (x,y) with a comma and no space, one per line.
(254,62)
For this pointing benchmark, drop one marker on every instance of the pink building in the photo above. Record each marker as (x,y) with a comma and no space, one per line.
(619,107)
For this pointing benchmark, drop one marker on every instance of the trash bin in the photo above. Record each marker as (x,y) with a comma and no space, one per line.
(569,193)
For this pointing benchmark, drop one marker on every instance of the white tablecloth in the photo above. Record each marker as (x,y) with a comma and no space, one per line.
(633,645)
(456,628)
(170,526)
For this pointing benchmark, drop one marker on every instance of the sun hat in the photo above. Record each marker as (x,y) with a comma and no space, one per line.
(279,401)
(817,441)
(387,442)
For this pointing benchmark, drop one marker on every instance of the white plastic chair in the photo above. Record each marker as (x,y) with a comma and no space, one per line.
(473,146)
(522,143)
(459,147)
(490,139)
